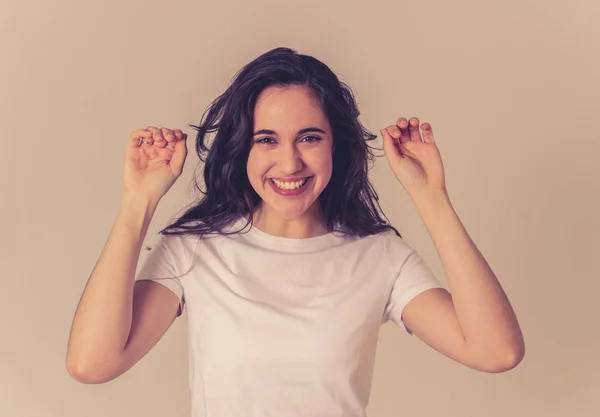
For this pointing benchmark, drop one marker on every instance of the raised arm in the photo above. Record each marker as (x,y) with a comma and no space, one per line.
(474,324)
(118,321)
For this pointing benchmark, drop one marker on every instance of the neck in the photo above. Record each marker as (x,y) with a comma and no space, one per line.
(309,224)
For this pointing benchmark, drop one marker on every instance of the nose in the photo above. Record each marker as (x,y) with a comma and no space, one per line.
(290,160)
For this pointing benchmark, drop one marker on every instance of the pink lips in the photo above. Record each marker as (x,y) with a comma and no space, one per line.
(290,193)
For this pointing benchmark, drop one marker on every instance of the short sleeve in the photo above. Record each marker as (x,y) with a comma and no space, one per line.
(165,263)
(411,277)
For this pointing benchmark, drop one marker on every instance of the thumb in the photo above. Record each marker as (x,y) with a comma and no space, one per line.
(389,147)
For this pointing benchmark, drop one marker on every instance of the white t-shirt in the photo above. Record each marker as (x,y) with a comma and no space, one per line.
(284,327)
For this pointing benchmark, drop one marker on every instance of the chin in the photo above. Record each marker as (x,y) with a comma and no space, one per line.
(289,211)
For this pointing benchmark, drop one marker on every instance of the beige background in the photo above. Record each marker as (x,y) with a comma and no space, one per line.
(511,89)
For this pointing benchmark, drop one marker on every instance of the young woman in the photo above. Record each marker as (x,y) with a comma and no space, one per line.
(286,265)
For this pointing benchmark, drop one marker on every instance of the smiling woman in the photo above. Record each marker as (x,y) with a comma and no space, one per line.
(293,161)
(285,118)
(286,264)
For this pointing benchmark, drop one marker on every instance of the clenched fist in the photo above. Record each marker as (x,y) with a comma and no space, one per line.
(154,160)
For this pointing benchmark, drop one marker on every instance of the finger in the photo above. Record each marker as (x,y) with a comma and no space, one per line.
(146,141)
(427,133)
(166,137)
(169,136)
(179,155)
(389,146)
(402,124)
(413,128)
(156,134)
(153,129)
(137,136)
(178,134)
(394,132)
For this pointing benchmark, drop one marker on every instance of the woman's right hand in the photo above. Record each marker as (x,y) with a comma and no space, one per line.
(152,168)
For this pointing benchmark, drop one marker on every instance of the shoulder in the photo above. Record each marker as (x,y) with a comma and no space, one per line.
(386,247)
(174,248)
(395,250)
(387,241)
(183,238)
(173,241)
(393,245)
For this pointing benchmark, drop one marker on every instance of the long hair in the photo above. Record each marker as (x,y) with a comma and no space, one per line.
(349,201)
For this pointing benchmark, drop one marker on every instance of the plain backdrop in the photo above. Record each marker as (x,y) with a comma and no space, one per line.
(511,89)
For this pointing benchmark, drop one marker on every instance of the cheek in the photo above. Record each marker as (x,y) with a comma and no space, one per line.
(324,165)
(255,168)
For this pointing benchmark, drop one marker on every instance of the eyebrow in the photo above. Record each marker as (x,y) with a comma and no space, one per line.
(300,132)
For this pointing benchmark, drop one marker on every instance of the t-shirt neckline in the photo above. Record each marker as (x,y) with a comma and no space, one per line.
(312,243)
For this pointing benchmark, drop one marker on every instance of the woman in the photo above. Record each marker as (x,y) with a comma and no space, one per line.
(286,265)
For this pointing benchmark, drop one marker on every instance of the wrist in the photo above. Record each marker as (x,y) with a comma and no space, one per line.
(430,197)
(137,210)
(135,199)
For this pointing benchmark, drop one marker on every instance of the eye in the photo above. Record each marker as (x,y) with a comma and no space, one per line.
(265,140)
(310,139)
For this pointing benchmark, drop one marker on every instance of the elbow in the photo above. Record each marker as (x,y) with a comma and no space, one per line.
(510,361)
(515,354)
(86,374)
(506,360)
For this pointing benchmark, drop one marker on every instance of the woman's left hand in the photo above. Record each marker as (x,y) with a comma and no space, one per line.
(414,158)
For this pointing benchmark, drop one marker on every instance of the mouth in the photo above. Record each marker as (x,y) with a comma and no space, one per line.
(290,187)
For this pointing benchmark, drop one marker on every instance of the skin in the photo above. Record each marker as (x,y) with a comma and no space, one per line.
(286,153)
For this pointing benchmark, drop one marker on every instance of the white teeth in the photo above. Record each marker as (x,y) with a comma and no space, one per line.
(289,185)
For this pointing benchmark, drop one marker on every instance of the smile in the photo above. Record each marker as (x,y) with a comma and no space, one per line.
(289,187)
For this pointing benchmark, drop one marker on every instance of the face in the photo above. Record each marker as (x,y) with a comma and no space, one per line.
(290,160)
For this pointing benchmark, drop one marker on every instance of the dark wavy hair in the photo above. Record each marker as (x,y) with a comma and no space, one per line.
(349,201)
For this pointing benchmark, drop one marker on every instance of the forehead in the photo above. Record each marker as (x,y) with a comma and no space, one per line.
(288,108)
